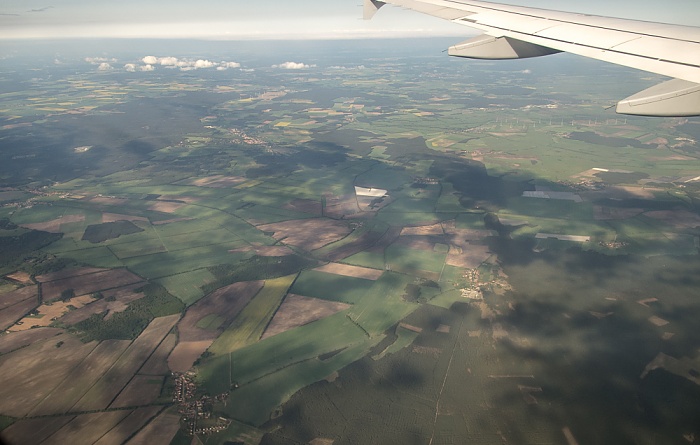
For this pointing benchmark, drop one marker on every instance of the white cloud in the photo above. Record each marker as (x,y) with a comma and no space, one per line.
(132,67)
(185,64)
(204,64)
(168,61)
(344,68)
(104,66)
(293,66)
(226,65)
(99,60)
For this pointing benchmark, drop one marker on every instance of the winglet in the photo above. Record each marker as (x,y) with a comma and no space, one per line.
(371,8)
(672,98)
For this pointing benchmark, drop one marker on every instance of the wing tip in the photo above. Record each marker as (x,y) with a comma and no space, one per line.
(674,98)
(370,8)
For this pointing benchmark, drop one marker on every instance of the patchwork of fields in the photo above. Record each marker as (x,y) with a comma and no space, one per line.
(345,264)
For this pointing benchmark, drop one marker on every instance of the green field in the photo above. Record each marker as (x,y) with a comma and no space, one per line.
(249,325)
(415,261)
(254,402)
(168,263)
(331,287)
(372,260)
(383,305)
(404,337)
(187,286)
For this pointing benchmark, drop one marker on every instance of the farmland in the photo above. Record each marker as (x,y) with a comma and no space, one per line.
(381,248)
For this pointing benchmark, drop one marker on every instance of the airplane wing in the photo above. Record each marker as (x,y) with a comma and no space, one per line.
(514,32)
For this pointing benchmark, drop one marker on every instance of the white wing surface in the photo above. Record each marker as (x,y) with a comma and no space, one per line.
(512,32)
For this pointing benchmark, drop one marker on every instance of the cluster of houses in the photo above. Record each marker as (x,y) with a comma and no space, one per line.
(197,413)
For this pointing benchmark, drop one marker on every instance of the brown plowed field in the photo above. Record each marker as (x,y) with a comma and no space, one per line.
(113,381)
(141,390)
(89,283)
(308,234)
(127,427)
(341,206)
(10,315)
(305,205)
(433,229)
(81,378)
(161,430)
(54,226)
(33,431)
(297,310)
(30,374)
(15,340)
(351,271)
(13,297)
(157,363)
(225,303)
(87,428)
(186,353)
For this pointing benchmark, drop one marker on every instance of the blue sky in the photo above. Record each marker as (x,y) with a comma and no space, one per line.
(288,19)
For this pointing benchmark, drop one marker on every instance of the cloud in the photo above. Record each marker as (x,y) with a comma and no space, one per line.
(345,68)
(168,61)
(99,60)
(150,60)
(104,66)
(132,67)
(293,66)
(226,65)
(204,64)
(186,64)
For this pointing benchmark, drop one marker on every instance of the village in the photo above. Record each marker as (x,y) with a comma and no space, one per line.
(197,415)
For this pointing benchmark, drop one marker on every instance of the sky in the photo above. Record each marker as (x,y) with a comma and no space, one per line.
(275,19)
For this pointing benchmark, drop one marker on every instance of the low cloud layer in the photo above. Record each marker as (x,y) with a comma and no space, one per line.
(186,64)
(132,67)
(293,66)
(151,63)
